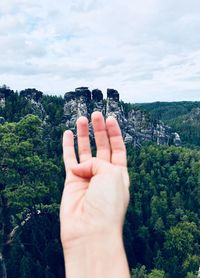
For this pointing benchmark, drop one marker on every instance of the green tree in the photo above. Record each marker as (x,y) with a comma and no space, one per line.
(155,273)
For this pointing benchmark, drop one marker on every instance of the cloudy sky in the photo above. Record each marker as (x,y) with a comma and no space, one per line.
(148,50)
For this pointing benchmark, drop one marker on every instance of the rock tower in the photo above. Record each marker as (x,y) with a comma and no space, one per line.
(136,127)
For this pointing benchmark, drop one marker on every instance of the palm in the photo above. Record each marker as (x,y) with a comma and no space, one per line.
(90,201)
(71,206)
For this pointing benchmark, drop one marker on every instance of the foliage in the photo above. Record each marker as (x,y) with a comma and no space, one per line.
(162,225)
(141,272)
(169,110)
(31,184)
(183,117)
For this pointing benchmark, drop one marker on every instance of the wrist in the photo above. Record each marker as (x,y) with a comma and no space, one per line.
(92,241)
(100,255)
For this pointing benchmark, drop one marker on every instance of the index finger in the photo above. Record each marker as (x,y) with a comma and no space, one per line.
(69,155)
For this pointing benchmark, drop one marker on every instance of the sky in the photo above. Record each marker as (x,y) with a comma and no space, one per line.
(148,50)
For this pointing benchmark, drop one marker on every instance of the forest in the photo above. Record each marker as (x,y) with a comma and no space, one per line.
(183,117)
(162,225)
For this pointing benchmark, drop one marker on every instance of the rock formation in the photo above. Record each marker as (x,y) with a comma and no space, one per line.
(97,101)
(136,127)
(192,118)
(2,100)
(5,92)
(76,105)
(34,97)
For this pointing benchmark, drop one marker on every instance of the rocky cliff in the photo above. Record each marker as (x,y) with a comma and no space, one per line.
(34,97)
(5,92)
(192,118)
(136,127)
(2,100)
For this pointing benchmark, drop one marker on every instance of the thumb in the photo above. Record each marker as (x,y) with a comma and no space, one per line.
(91,168)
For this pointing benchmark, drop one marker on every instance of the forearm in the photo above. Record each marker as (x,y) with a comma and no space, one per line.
(102,256)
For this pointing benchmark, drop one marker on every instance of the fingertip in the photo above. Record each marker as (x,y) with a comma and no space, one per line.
(96,115)
(67,132)
(82,120)
(111,120)
(67,136)
(98,121)
(112,126)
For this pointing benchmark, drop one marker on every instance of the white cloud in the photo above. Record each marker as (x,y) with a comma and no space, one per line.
(147,49)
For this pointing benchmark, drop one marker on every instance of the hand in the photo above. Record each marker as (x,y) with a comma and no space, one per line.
(94,201)
(96,195)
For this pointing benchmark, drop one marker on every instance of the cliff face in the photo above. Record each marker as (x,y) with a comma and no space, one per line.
(192,118)
(4,93)
(136,126)
(2,100)
(34,97)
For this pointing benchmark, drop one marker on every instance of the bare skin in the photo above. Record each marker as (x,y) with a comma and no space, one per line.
(94,201)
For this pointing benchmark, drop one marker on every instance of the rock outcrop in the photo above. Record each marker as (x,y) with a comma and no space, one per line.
(76,105)
(34,97)
(192,118)
(136,127)
(2,100)
(5,92)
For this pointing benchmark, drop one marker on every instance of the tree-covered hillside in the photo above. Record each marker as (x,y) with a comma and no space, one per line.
(162,226)
(169,110)
(182,116)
